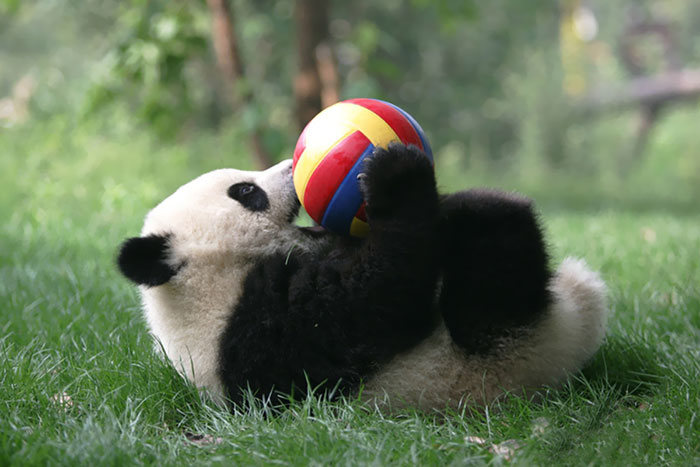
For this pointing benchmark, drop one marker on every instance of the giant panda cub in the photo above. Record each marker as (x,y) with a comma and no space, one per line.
(448,302)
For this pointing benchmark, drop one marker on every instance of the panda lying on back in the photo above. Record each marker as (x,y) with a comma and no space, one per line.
(449,300)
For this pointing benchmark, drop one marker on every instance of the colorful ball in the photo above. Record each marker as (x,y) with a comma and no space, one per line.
(329,153)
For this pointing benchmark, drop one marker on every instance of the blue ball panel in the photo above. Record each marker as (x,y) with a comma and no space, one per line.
(347,199)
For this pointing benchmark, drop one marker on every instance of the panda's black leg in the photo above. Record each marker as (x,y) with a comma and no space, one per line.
(494,266)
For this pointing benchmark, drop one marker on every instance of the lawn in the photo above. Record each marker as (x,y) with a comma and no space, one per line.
(79,383)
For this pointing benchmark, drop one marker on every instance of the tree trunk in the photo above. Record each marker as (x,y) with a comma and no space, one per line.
(328,72)
(316,82)
(230,65)
(225,46)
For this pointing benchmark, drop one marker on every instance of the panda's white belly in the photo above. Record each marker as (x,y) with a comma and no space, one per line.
(189,330)
(428,376)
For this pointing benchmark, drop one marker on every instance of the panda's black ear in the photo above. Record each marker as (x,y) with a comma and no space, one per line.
(143,260)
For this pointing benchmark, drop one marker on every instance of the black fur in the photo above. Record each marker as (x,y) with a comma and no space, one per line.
(143,260)
(251,196)
(333,317)
(495,267)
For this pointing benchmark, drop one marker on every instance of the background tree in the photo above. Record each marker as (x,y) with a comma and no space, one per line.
(230,63)
(316,82)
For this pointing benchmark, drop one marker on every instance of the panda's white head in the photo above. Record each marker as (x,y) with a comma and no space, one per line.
(219,216)
(195,250)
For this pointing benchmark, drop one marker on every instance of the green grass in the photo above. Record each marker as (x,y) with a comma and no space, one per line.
(69,324)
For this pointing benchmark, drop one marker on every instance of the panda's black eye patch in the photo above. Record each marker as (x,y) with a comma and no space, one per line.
(251,196)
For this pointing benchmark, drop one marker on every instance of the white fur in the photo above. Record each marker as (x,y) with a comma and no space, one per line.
(436,374)
(219,239)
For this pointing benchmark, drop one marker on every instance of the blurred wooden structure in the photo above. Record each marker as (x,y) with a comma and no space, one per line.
(649,91)
(645,91)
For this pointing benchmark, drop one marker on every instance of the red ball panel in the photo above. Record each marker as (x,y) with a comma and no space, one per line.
(331,172)
(299,149)
(361,214)
(401,126)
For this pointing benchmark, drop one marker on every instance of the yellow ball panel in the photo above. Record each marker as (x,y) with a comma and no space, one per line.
(359,118)
(359,228)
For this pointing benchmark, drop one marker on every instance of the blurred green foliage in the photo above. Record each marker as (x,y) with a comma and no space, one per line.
(485,79)
(157,64)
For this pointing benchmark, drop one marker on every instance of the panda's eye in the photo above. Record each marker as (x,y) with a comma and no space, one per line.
(251,196)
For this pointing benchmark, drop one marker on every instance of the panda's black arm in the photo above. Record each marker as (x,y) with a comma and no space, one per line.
(391,282)
(387,284)
(333,319)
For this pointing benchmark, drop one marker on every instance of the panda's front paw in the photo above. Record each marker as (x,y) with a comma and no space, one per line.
(397,181)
